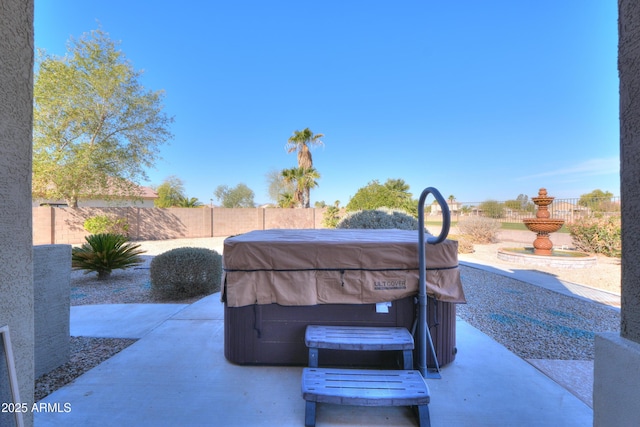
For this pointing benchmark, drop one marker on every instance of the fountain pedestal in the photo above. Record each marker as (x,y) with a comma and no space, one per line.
(542,224)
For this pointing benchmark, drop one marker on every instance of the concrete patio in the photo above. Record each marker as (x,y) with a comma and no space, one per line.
(176,374)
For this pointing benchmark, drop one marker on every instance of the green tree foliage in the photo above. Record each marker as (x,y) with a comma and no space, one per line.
(189,202)
(293,177)
(106,224)
(170,192)
(305,176)
(332,215)
(95,127)
(287,200)
(394,194)
(514,205)
(302,180)
(239,196)
(301,141)
(520,204)
(492,209)
(598,201)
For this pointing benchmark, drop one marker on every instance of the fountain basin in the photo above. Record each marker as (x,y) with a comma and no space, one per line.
(558,258)
(543,225)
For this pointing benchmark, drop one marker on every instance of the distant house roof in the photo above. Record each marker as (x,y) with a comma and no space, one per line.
(145,194)
(148,193)
(142,192)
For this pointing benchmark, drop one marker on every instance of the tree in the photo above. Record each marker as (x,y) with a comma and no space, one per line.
(95,127)
(597,201)
(287,200)
(239,196)
(492,209)
(301,141)
(520,204)
(294,177)
(393,194)
(303,179)
(189,202)
(277,185)
(309,181)
(523,199)
(332,215)
(170,192)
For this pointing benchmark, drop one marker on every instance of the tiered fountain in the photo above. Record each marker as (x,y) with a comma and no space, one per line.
(542,252)
(543,224)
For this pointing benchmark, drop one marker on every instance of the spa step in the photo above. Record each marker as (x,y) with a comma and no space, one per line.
(363,387)
(359,338)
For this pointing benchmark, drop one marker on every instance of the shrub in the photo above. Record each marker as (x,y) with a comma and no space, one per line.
(101,224)
(186,272)
(465,245)
(597,235)
(105,252)
(479,229)
(331,217)
(379,218)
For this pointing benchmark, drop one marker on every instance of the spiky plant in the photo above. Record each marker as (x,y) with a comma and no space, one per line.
(105,252)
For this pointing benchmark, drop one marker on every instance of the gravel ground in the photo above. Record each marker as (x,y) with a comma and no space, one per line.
(531,322)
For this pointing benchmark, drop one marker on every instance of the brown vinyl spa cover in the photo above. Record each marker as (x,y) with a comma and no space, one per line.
(335,266)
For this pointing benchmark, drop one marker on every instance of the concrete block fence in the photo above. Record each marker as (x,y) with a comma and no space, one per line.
(51,306)
(66,225)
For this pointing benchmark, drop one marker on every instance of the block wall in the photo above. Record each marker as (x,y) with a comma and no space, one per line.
(51,306)
(66,225)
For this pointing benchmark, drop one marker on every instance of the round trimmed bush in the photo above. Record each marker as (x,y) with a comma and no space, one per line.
(379,218)
(186,272)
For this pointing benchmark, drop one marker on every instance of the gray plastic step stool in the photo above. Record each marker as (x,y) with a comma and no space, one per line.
(362,387)
(359,338)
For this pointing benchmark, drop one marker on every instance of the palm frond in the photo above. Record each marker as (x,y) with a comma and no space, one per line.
(105,252)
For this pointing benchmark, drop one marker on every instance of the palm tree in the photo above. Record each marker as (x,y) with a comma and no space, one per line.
(286,200)
(188,202)
(309,177)
(303,179)
(294,176)
(300,142)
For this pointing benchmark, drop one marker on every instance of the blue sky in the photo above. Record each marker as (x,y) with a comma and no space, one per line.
(481,99)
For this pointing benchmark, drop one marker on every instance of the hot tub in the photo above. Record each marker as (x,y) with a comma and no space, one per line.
(276,282)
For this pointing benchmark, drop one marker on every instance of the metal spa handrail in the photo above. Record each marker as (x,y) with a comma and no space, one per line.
(423,328)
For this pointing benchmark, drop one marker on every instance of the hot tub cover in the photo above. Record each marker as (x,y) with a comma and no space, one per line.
(335,266)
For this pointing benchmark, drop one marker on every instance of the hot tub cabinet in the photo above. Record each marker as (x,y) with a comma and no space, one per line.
(276,282)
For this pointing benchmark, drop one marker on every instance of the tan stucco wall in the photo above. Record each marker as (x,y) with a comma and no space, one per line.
(629,69)
(617,358)
(16,275)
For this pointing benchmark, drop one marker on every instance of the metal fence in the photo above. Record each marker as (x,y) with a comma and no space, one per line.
(570,210)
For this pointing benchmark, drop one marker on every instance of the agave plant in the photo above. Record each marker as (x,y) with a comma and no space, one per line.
(105,252)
